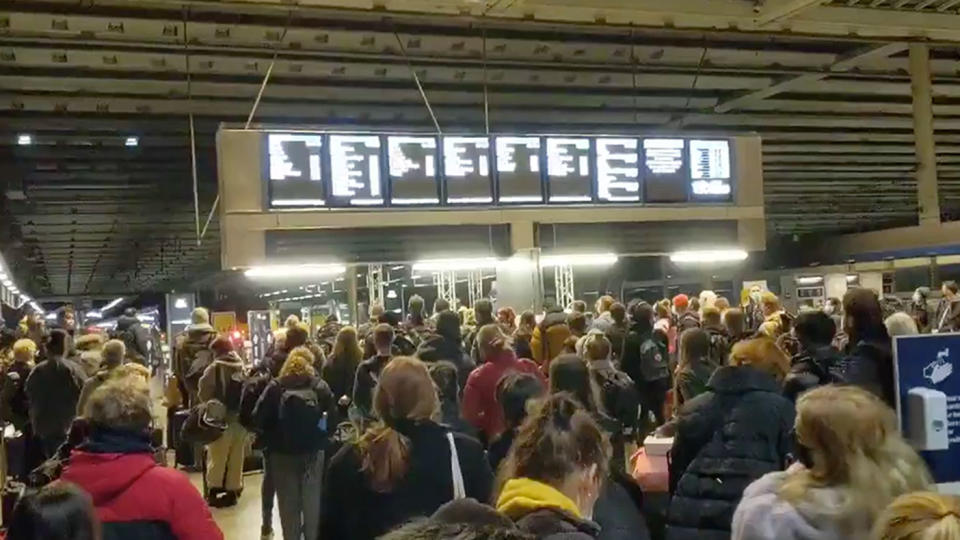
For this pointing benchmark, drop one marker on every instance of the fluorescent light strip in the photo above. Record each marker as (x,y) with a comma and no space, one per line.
(366,202)
(469,200)
(809,280)
(298,202)
(415,201)
(113,303)
(580,259)
(521,198)
(294,271)
(709,256)
(570,198)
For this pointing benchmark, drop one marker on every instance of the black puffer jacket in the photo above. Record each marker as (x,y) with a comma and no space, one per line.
(813,368)
(869,365)
(726,438)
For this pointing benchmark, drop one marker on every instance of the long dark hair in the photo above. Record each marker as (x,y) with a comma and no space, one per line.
(58,511)
(569,373)
(863,317)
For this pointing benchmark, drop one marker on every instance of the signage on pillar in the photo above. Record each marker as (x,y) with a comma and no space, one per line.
(927,369)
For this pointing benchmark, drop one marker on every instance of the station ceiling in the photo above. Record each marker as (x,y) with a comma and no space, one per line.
(825,83)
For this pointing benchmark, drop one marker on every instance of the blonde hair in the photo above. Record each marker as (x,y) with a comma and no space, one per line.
(121,403)
(856,450)
(763,354)
(405,394)
(24,349)
(299,362)
(491,339)
(347,344)
(113,353)
(920,516)
(900,324)
(770,300)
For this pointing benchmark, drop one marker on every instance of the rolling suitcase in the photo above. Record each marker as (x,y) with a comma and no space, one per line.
(183,450)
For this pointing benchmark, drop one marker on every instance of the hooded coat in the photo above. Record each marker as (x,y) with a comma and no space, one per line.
(544,511)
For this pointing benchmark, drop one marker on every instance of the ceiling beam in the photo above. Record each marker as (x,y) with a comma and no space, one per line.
(775,11)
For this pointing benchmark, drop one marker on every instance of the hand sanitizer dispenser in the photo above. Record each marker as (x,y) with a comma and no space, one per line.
(927,427)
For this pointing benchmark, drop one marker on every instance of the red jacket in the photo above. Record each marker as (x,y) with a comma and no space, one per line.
(133,495)
(480,406)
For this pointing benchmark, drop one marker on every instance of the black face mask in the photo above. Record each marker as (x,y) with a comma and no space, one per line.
(801,453)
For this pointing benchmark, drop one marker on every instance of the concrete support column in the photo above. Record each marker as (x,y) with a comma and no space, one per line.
(522,235)
(928,198)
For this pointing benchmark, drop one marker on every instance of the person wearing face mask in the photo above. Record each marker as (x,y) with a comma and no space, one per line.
(554,472)
(919,309)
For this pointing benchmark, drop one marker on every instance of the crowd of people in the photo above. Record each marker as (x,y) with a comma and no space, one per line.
(487,423)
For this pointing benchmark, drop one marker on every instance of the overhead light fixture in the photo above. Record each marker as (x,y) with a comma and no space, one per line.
(709,256)
(132,141)
(3,275)
(24,139)
(391,293)
(36,307)
(397,267)
(452,265)
(113,303)
(809,280)
(580,259)
(94,315)
(852,278)
(51,316)
(14,290)
(7,283)
(294,271)
(180,303)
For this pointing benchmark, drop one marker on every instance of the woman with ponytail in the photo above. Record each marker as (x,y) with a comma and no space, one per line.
(405,466)
(554,473)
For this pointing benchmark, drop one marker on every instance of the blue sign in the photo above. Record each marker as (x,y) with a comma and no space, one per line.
(931,362)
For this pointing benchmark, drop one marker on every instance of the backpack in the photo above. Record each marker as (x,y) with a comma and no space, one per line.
(687,321)
(230,388)
(301,422)
(620,396)
(253,388)
(198,358)
(654,362)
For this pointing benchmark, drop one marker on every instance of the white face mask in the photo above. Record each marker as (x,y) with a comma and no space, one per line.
(917,298)
(829,309)
(755,295)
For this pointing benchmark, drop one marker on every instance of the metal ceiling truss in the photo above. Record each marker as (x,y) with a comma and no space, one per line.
(827,93)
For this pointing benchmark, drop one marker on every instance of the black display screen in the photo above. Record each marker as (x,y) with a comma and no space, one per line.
(519,178)
(569,170)
(466,170)
(618,169)
(295,170)
(355,178)
(665,170)
(413,170)
(710,169)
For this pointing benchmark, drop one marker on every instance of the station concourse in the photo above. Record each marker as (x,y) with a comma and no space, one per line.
(222,223)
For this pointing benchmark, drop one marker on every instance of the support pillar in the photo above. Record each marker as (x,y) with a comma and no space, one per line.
(928,199)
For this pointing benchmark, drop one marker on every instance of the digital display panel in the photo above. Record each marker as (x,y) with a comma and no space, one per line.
(518,169)
(569,174)
(665,170)
(355,170)
(315,170)
(618,170)
(295,170)
(466,170)
(413,170)
(710,169)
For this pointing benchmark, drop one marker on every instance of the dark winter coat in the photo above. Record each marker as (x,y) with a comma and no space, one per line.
(869,364)
(136,498)
(436,348)
(135,336)
(813,368)
(616,334)
(555,524)
(266,414)
(632,360)
(368,373)
(948,315)
(354,510)
(14,405)
(340,373)
(53,389)
(726,438)
(692,380)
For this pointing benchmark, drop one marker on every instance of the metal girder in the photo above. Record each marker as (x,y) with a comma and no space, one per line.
(774,11)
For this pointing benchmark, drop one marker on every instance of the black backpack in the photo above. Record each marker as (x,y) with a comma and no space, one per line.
(230,389)
(301,420)
(199,358)
(620,396)
(654,361)
(253,388)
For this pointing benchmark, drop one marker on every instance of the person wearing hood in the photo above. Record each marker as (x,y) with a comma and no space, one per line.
(114,352)
(88,354)
(604,320)
(405,467)
(134,335)
(868,360)
(919,309)
(727,437)
(819,363)
(948,311)
(295,414)
(646,361)
(53,389)
(446,344)
(549,337)
(225,455)
(480,406)
(853,463)
(553,475)
(134,497)
(192,354)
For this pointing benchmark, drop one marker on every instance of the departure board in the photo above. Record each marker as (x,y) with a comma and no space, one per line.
(519,176)
(355,170)
(295,170)
(665,170)
(618,170)
(466,170)
(710,169)
(413,170)
(316,170)
(569,174)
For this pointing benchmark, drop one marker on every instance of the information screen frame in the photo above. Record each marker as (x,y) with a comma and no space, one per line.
(437,176)
(493,176)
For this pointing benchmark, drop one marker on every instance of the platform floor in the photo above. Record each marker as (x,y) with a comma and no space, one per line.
(242,522)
